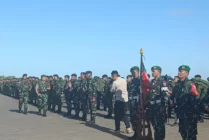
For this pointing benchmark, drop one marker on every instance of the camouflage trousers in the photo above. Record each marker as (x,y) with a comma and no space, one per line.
(188,128)
(68,102)
(92,103)
(110,102)
(84,106)
(42,102)
(134,113)
(158,123)
(23,99)
(77,102)
(50,95)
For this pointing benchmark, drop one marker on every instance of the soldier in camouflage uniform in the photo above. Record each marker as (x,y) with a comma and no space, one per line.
(105,78)
(133,87)
(42,95)
(25,88)
(91,97)
(108,96)
(50,92)
(58,87)
(82,91)
(66,93)
(187,100)
(156,103)
(76,97)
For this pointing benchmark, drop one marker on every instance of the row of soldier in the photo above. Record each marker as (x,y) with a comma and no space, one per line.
(86,94)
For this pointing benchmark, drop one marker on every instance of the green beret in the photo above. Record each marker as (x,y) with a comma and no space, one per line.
(134,68)
(184,67)
(156,68)
(24,75)
(43,76)
(55,75)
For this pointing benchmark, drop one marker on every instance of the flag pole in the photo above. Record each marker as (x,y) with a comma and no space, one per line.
(142,94)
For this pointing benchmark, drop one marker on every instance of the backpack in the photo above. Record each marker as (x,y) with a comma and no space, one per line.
(99,84)
(202,87)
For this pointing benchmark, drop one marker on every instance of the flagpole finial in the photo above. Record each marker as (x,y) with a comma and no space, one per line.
(141,51)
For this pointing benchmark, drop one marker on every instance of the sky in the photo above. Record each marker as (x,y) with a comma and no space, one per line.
(71,36)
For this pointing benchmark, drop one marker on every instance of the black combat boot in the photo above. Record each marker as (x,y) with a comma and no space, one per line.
(39,112)
(20,110)
(53,109)
(91,122)
(109,116)
(84,118)
(59,110)
(25,111)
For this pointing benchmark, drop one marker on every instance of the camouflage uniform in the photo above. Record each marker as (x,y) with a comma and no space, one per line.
(66,93)
(25,87)
(58,88)
(133,94)
(43,98)
(109,99)
(75,103)
(82,90)
(91,98)
(156,104)
(187,107)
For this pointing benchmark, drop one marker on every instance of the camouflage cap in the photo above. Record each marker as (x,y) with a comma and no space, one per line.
(184,68)
(134,68)
(156,68)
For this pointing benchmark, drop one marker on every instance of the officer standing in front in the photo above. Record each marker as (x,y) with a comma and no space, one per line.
(156,103)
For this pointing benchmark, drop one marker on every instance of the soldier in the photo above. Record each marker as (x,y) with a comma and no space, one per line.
(66,93)
(109,98)
(133,94)
(174,106)
(156,103)
(76,99)
(41,90)
(25,87)
(58,87)
(105,78)
(50,94)
(186,96)
(91,97)
(83,95)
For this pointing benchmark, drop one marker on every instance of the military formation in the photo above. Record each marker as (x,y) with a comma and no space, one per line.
(187,99)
